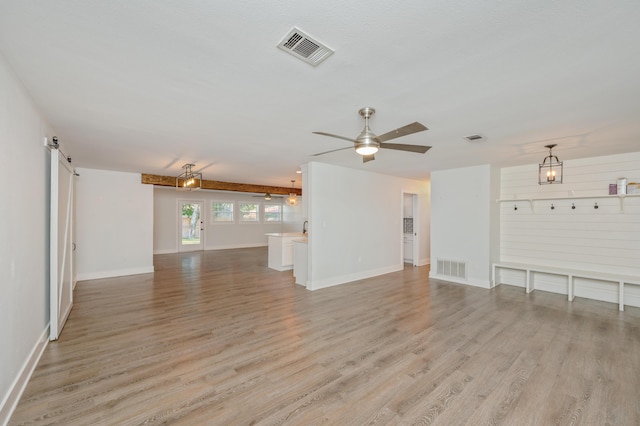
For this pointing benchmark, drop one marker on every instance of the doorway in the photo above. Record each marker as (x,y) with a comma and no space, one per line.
(190,225)
(410,224)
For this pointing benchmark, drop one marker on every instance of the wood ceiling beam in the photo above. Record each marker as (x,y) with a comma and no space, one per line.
(222,186)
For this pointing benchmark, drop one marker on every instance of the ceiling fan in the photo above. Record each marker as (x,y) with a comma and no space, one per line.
(367,143)
(267,196)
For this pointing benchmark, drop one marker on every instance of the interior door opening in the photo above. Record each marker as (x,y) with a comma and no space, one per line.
(410,224)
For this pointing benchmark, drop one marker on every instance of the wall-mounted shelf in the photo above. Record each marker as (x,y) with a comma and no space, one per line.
(531,201)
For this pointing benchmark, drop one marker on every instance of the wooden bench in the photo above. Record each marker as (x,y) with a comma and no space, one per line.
(571,275)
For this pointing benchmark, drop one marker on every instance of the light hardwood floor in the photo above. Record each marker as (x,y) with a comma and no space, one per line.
(216,338)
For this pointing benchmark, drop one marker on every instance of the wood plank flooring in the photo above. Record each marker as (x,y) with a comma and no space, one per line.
(217,338)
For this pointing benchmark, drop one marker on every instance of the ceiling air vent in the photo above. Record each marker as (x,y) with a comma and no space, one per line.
(475,138)
(303,47)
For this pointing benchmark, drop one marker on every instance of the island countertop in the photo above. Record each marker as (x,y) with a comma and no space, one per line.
(286,234)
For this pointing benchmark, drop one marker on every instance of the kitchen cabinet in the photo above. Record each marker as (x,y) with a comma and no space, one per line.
(280,255)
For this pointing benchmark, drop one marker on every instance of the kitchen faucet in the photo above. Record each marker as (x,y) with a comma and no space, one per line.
(304,226)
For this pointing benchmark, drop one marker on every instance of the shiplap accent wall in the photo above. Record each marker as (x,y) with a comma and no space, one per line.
(606,239)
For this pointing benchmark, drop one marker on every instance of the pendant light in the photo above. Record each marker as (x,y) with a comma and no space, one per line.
(550,170)
(292,200)
(189,180)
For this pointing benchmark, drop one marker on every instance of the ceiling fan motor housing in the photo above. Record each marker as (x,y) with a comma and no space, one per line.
(367,142)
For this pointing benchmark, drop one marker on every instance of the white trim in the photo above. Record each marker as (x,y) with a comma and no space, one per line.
(475,283)
(115,273)
(237,246)
(343,279)
(10,402)
(224,247)
(165,251)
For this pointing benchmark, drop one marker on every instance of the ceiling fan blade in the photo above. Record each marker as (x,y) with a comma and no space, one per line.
(409,129)
(334,136)
(367,158)
(404,147)
(333,150)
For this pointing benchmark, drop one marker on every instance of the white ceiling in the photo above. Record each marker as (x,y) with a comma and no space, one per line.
(146,86)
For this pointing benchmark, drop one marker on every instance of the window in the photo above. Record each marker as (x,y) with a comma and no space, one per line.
(248,212)
(222,211)
(273,212)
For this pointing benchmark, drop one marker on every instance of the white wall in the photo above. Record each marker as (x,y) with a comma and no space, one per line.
(603,239)
(464,217)
(114,223)
(216,235)
(355,223)
(24,238)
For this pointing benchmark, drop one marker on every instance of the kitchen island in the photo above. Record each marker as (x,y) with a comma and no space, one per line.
(280,255)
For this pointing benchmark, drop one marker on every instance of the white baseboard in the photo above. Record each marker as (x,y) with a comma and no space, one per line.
(424,262)
(114,273)
(223,247)
(474,283)
(343,279)
(11,399)
(236,246)
(165,251)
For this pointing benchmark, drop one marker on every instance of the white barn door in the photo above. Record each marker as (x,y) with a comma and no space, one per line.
(61,239)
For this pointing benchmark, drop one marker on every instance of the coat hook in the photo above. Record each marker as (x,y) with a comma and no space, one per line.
(553,207)
(515,207)
(595,206)
(573,206)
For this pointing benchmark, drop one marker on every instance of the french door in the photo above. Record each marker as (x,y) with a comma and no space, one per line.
(61,262)
(190,225)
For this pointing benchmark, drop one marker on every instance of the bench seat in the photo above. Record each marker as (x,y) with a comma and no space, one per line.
(571,274)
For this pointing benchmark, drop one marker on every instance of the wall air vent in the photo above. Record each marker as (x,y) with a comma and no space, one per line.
(475,138)
(452,268)
(304,47)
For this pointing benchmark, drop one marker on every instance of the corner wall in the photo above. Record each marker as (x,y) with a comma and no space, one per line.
(464,217)
(24,239)
(355,223)
(114,223)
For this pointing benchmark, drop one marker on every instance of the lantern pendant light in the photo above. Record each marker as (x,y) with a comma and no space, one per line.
(550,170)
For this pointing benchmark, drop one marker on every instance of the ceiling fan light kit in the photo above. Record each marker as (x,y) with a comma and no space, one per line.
(267,196)
(368,143)
(366,150)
